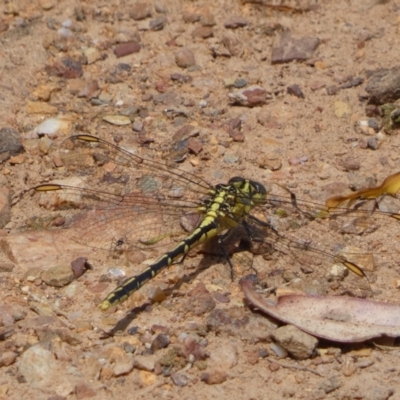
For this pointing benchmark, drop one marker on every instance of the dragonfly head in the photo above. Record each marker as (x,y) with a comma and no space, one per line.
(254,190)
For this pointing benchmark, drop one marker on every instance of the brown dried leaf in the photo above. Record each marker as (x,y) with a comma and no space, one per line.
(337,318)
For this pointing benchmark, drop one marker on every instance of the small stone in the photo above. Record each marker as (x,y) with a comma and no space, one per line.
(5,207)
(349,369)
(43,92)
(230,158)
(83,391)
(123,365)
(38,107)
(145,363)
(140,11)
(119,120)
(10,143)
(79,266)
(156,295)
(92,55)
(202,32)
(350,164)
(199,300)
(342,109)
(252,357)
(332,90)
(161,341)
(234,47)
(157,24)
(299,344)
(47,4)
(137,126)
(67,68)
(380,393)
(194,145)
(45,144)
(213,377)
(7,358)
(240,83)
(179,379)
(89,90)
(373,143)
(384,86)
(270,161)
(330,384)
(295,90)
(235,22)
(248,97)
(184,58)
(291,49)
(3,26)
(6,267)
(16,160)
(124,49)
(58,276)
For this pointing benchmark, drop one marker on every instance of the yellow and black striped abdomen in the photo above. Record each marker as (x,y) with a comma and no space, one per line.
(207,229)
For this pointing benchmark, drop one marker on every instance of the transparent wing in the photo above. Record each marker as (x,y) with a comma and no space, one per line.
(360,237)
(114,196)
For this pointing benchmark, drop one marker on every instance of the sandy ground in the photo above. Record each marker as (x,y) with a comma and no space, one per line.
(138,74)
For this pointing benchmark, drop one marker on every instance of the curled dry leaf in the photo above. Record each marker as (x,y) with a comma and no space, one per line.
(391,185)
(336,318)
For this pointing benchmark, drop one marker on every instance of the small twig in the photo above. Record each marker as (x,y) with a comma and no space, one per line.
(298,367)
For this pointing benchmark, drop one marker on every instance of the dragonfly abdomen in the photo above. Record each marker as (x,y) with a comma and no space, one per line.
(207,229)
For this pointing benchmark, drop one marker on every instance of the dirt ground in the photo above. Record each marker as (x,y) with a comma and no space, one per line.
(273,91)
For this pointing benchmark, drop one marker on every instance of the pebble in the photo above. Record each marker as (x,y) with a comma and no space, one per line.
(47,4)
(248,97)
(270,161)
(37,107)
(184,58)
(92,55)
(7,358)
(79,266)
(123,365)
(384,86)
(342,110)
(140,11)
(224,357)
(202,32)
(380,393)
(214,377)
(67,68)
(295,90)
(58,276)
(43,92)
(199,300)
(179,379)
(6,267)
(10,143)
(83,391)
(299,344)
(40,370)
(117,119)
(235,22)
(330,384)
(146,363)
(240,83)
(233,46)
(292,49)
(350,164)
(157,24)
(124,49)
(161,341)
(5,207)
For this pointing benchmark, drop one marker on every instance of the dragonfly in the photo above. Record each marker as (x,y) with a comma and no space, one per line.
(146,204)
